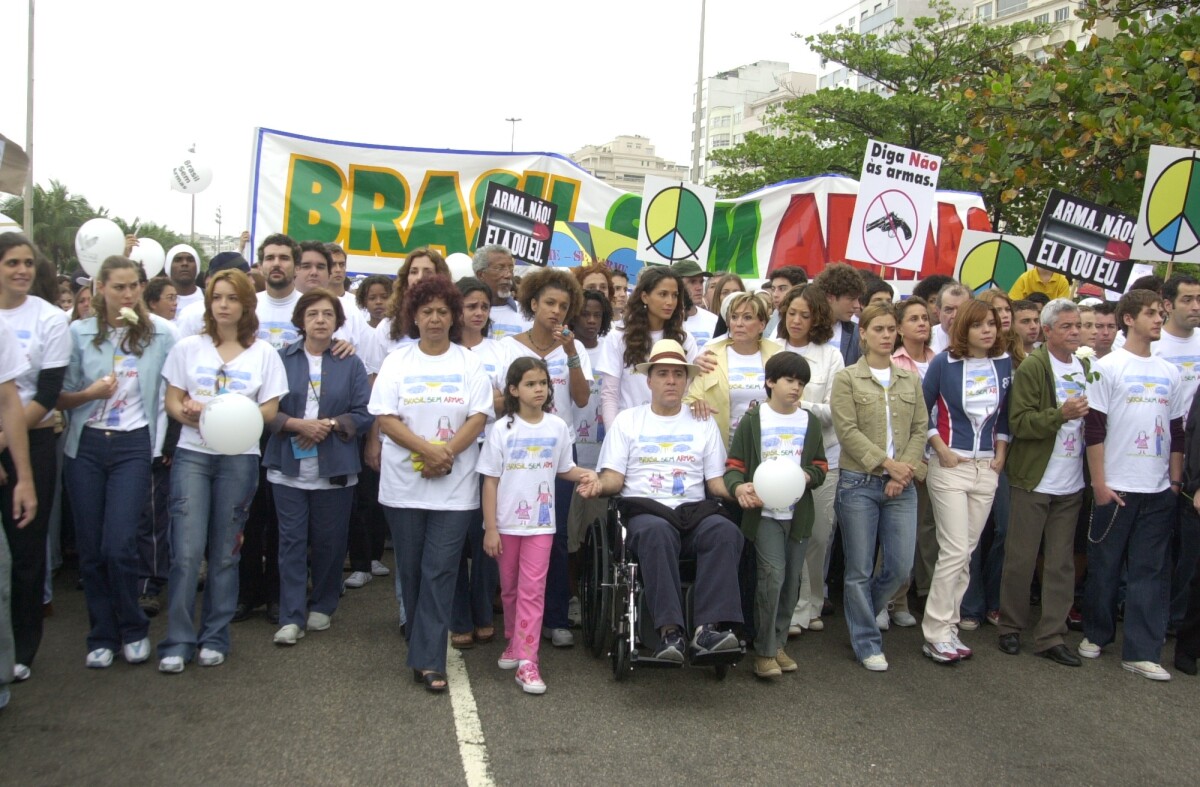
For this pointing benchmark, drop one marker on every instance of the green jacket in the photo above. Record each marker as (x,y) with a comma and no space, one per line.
(1034,418)
(745,454)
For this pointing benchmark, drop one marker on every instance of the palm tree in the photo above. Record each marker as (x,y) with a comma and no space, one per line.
(57,216)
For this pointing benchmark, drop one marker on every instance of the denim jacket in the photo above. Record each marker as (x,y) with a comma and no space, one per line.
(89,363)
(344,395)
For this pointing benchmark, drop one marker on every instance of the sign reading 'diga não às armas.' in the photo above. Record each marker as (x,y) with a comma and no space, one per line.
(898,193)
(382,201)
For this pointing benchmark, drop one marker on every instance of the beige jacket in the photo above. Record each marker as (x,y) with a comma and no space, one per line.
(860,419)
(713,388)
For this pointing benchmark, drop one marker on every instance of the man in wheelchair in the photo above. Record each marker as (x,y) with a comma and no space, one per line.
(661,461)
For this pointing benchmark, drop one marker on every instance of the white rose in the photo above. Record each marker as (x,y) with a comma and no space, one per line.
(1085,352)
(128,315)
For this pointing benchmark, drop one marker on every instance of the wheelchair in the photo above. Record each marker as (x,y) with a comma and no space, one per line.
(615,615)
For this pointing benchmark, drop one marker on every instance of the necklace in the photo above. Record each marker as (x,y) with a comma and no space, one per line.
(542,350)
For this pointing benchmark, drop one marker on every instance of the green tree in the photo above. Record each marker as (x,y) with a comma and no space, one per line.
(916,65)
(1083,121)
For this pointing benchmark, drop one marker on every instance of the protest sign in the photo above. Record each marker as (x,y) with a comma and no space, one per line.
(519,222)
(989,259)
(896,197)
(1169,220)
(382,201)
(675,221)
(1083,241)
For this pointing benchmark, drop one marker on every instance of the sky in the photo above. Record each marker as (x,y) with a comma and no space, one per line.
(123,88)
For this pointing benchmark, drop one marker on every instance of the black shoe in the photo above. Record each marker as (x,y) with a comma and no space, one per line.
(241,612)
(826,608)
(1185,663)
(1059,654)
(1010,643)
(273,613)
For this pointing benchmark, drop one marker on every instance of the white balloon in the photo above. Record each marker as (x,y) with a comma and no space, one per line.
(191,176)
(97,240)
(460,265)
(151,254)
(231,423)
(779,483)
(9,225)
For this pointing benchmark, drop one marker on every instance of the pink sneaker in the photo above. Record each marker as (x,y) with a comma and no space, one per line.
(529,679)
(508,659)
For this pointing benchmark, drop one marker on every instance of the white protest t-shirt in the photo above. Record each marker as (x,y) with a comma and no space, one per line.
(380,344)
(508,321)
(884,377)
(1140,396)
(43,334)
(189,321)
(1185,354)
(633,387)
(526,457)
(124,411)
(195,366)
(309,477)
(589,420)
(434,395)
(1064,471)
(665,458)
(701,326)
(981,390)
(12,361)
(495,363)
(275,319)
(745,384)
(560,378)
(183,301)
(782,438)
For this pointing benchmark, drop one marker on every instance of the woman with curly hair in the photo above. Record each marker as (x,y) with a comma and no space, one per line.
(655,311)
(420,264)
(431,400)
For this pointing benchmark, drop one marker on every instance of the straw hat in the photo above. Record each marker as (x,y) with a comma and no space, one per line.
(667,352)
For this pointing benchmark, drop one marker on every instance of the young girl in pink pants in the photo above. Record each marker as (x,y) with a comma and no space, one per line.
(524,453)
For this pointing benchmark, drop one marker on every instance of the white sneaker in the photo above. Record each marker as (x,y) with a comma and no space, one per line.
(357,579)
(882,621)
(100,658)
(317,621)
(1147,669)
(20,673)
(378,569)
(171,664)
(876,663)
(136,652)
(904,619)
(559,638)
(288,635)
(210,658)
(1089,650)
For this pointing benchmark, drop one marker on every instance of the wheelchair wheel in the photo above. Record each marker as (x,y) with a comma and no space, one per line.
(620,659)
(595,600)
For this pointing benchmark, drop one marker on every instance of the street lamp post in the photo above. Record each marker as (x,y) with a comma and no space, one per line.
(699,108)
(27,219)
(512,146)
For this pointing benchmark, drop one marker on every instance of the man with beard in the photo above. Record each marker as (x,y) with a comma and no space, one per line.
(493,264)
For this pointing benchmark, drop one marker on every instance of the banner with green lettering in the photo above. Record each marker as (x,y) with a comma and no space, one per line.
(381,201)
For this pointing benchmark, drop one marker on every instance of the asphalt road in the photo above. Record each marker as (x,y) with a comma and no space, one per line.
(340,708)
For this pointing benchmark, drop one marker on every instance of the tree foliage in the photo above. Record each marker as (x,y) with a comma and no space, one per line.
(1083,121)
(918,64)
(57,216)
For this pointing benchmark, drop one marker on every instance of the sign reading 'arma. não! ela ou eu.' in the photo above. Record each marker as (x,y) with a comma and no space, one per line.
(380,202)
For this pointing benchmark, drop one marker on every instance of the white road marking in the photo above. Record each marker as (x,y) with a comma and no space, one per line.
(472,749)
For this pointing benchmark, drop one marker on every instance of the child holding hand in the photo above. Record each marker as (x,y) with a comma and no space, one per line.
(524,452)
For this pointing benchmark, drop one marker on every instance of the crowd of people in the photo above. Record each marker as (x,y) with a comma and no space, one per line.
(979,453)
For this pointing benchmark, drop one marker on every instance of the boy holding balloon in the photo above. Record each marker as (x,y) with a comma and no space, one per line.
(775,459)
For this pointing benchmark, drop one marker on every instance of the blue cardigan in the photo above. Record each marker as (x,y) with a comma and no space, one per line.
(344,395)
(943,387)
(89,363)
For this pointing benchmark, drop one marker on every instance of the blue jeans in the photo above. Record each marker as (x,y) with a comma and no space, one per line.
(210,500)
(108,472)
(983,591)
(1137,536)
(319,519)
(428,545)
(866,516)
(477,582)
